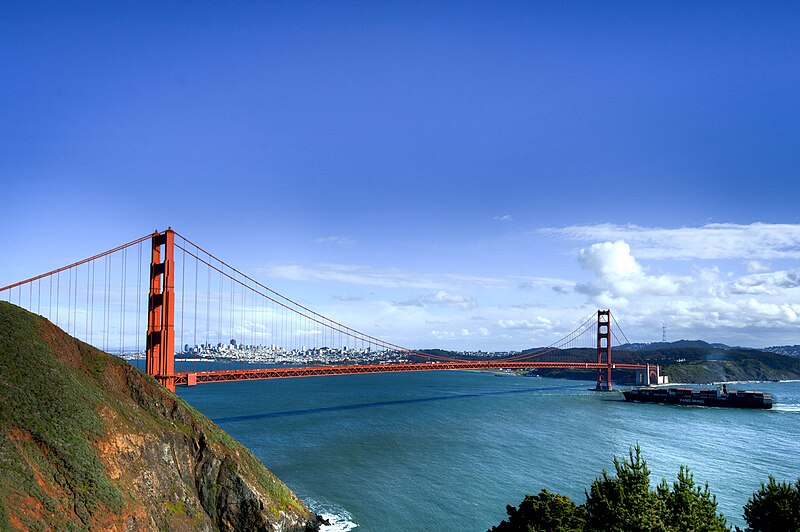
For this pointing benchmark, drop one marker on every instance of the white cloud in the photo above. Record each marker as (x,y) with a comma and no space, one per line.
(503,218)
(306,332)
(347,297)
(756,241)
(610,259)
(621,274)
(539,324)
(462,333)
(754,266)
(441,298)
(336,240)
(381,277)
(771,283)
(705,304)
(784,311)
(531,283)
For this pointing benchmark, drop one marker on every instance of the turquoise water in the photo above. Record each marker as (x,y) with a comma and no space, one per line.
(448,450)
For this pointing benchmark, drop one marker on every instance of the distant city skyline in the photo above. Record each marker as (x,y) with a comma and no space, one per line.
(460,176)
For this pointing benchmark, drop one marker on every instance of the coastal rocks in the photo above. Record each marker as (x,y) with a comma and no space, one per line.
(211,482)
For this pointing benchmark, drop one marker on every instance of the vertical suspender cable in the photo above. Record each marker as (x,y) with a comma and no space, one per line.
(219,312)
(138,297)
(208,312)
(58,289)
(75,307)
(183,290)
(105,304)
(108,300)
(230,308)
(69,302)
(91,309)
(245,318)
(274,328)
(124,293)
(196,264)
(237,327)
(86,324)
(242,325)
(208,305)
(108,305)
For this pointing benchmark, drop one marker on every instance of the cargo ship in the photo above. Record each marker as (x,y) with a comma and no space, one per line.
(689,396)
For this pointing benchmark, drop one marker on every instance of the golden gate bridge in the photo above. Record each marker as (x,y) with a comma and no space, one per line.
(142,297)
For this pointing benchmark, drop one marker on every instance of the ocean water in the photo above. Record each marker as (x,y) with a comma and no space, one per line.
(447,451)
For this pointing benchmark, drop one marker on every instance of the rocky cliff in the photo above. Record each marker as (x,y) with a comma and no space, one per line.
(89,442)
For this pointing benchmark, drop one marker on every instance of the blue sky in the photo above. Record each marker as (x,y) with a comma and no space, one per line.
(449,174)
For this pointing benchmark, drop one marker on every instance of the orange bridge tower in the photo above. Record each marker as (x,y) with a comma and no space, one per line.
(604,350)
(160,354)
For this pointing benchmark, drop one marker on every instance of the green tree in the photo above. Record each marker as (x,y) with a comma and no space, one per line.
(688,507)
(624,503)
(775,506)
(546,511)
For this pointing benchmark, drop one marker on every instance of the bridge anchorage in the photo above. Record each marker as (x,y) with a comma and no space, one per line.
(192,295)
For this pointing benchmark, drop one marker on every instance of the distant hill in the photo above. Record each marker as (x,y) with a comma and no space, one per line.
(88,442)
(673,345)
(788,350)
(689,361)
(698,362)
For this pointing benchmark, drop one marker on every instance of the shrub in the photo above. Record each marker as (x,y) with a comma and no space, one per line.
(775,506)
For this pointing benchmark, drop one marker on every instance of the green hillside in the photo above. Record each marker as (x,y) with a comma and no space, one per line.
(87,441)
(696,362)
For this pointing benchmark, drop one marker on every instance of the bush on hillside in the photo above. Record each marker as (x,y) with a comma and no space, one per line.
(545,511)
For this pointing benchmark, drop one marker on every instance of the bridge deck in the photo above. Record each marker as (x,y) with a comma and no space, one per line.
(188,378)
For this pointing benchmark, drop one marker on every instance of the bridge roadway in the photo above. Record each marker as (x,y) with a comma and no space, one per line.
(190,379)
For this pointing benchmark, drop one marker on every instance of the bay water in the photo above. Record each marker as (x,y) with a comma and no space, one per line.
(447,451)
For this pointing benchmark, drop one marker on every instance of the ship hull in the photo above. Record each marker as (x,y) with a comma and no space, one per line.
(689,397)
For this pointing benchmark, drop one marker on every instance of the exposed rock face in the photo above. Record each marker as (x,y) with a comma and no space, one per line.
(88,441)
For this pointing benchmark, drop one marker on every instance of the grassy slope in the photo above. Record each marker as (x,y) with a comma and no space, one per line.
(57,404)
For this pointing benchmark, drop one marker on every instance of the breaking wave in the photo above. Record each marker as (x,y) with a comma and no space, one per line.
(338,518)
